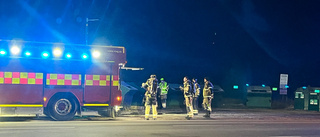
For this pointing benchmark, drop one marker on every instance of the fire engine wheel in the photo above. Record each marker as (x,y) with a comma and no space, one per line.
(109,113)
(62,108)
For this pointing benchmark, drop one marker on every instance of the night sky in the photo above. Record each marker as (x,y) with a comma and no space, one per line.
(230,41)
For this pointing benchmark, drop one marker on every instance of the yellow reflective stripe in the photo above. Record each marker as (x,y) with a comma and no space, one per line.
(68,76)
(39,75)
(31,81)
(102,83)
(48,81)
(66,81)
(21,105)
(93,105)
(60,82)
(21,78)
(115,83)
(7,74)
(15,80)
(89,82)
(96,77)
(75,82)
(53,76)
(23,75)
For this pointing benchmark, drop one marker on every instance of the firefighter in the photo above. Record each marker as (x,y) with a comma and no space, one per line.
(151,96)
(196,90)
(187,91)
(207,96)
(164,87)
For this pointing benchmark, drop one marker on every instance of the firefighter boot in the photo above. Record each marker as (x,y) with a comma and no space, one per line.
(190,113)
(147,111)
(207,115)
(195,112)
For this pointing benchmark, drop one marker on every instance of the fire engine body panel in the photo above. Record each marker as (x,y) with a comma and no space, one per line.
(60,86)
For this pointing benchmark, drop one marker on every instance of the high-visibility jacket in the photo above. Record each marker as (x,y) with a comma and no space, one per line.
(187,89)
(196,89)
(164,88)
(152,84)
(208,89)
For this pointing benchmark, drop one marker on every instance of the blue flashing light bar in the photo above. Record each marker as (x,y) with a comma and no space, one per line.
(286,86)
(247,85)
(263,85)
(304,87)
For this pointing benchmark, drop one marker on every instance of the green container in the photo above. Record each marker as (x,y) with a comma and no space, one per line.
(259,97)
(259,100)
(313,102)
(299,100)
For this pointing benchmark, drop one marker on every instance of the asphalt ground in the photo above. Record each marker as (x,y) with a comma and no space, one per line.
(222,123)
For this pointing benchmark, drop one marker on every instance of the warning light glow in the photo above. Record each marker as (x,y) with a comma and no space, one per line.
(57,52)
(15,50)
(96,54)
(235,87)
(84,56)
(45,54)
(2,52)
(27,53)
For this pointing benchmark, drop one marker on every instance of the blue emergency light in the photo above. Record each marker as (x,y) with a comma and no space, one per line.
(3,52)
(235,87)
(84,56)
(68,55)
(27,53)
(45,54)
(263,85)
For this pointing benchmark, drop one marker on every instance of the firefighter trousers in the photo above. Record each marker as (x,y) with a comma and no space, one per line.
(151,102)
(163,100)
(189,106)
(195,105)
(207,104)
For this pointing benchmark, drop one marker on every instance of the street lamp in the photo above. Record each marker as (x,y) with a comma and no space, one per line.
(87,25)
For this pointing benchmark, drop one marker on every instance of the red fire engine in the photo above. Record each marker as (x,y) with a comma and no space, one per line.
(59,80)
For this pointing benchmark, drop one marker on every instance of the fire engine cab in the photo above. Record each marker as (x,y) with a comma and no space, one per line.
(59,80)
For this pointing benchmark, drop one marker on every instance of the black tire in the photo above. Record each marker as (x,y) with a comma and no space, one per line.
(62,109)
(46,112)
(110,112)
